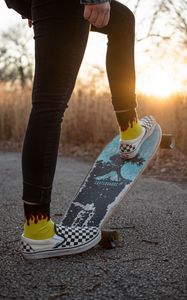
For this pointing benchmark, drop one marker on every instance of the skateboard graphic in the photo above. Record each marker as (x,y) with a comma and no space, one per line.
(107,184)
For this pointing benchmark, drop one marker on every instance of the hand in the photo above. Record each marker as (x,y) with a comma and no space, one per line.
(97,14)
(30,23)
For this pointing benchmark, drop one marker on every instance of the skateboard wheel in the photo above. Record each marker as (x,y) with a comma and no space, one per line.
(167,141)
(110,239)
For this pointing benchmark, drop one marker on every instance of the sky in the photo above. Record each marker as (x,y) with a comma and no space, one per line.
(9,17)
(161,76)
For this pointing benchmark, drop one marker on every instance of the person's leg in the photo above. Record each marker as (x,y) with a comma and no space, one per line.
(121,69)
(60,40)
(120,61)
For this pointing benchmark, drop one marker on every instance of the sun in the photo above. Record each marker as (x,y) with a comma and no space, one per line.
(159,83)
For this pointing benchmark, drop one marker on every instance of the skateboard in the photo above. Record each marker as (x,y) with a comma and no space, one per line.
(108,183)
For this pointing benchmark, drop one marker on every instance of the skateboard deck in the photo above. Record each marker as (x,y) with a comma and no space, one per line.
(108,182)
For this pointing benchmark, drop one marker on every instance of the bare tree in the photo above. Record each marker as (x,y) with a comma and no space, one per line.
(161,29)
(172,14)
(16,58)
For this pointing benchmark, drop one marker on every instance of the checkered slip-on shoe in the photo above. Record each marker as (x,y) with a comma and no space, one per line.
(66,241)
(129,149)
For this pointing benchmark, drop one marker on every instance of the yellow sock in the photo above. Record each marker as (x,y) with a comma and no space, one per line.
(133,131)
(41,229)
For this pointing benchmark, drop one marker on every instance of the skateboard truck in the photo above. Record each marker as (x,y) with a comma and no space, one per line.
(167,141)
(110,238)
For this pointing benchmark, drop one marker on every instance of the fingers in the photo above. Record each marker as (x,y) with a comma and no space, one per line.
(102,20)
(98,14)
(93,17)
(87,11)
(106,18)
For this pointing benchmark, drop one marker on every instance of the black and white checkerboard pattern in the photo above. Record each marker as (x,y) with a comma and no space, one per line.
(26,248)
(126,148)
(76,236)
(147,122)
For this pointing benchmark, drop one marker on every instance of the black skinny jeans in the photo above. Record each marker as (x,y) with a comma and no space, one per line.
(61,34)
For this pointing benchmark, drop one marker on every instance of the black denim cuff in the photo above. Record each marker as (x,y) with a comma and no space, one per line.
(124,103)
(36,194)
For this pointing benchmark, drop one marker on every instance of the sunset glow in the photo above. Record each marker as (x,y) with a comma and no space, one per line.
(158,76)
(159,83)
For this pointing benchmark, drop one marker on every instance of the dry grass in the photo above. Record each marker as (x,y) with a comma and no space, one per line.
(90,118)
(14,112)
